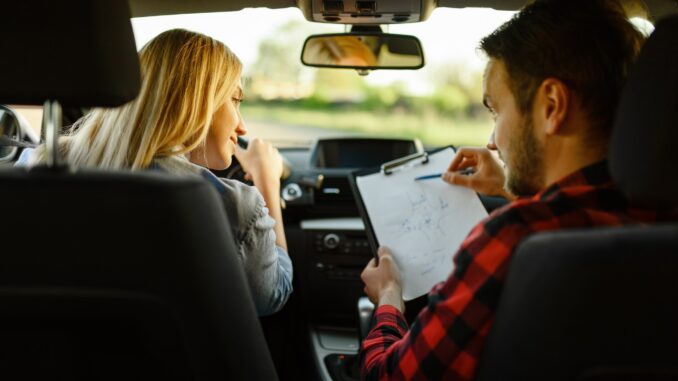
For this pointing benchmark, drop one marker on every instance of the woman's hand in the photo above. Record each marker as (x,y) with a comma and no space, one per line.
(260,161)
(486,174)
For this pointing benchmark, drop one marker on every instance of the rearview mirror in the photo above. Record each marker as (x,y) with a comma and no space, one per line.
(363,51)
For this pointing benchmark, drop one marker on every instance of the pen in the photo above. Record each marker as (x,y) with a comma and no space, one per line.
(426,177)
(467,171)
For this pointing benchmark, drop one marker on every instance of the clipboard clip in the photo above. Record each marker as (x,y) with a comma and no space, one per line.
(388,167)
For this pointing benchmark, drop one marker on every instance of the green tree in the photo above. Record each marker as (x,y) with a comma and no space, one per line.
(451,100)
(278,64)
(278,55)
(339,85)
(458,89)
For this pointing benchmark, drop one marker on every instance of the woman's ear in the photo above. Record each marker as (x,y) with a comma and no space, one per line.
(554,99)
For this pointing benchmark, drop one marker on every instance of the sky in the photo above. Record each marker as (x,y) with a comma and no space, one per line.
(448,36)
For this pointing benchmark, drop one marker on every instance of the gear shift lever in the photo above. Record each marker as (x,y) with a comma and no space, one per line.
(346,367)
(365,312)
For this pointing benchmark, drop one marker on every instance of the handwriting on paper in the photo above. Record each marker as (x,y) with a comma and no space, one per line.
(423,223)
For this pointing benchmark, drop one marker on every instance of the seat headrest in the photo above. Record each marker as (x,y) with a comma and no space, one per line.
(643,152)
(78,52)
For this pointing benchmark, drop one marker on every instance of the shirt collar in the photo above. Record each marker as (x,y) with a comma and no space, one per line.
(593,175)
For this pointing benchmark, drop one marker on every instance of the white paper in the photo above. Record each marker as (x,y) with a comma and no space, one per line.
(422,222)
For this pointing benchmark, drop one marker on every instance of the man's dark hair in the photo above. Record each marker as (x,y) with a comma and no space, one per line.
(587,44)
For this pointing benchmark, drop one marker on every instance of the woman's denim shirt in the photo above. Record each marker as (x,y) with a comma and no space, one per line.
(267,265)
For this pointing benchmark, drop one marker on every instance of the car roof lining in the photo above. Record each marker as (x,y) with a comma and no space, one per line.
(142,8)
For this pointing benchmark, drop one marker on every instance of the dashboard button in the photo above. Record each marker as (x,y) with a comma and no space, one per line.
(331,241)
(291,192)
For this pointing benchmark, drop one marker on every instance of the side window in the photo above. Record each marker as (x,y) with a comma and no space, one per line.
(643,25)
(16,133)
(33,115)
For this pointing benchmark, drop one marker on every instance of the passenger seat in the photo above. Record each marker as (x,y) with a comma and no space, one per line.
(602,304)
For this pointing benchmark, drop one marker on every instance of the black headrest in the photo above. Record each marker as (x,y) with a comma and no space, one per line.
(79,52)
(643,152)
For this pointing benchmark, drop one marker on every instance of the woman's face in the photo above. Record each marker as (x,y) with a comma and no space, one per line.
(222,138)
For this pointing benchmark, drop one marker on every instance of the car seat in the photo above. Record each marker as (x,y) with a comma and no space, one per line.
(110,275)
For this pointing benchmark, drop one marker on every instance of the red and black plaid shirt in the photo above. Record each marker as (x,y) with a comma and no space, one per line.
(447,337)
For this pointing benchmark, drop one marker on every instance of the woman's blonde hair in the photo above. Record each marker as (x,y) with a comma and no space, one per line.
(185,78)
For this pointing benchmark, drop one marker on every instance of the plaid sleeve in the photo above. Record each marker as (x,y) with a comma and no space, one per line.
(390,326)
(447,337)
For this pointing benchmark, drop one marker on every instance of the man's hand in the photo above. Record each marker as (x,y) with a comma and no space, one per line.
(382,281)
(487,177)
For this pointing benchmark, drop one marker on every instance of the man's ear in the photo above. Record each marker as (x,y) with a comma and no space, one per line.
(554,101)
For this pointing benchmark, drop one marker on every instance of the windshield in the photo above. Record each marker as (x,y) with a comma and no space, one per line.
(292,105)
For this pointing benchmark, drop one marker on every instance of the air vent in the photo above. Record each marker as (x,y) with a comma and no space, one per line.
(335,191)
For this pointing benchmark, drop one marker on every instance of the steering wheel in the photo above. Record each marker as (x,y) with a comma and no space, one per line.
(235,171)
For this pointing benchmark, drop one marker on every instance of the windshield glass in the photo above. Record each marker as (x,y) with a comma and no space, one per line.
(292,105)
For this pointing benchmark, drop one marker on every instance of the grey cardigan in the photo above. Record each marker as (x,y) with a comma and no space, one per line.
(267,266)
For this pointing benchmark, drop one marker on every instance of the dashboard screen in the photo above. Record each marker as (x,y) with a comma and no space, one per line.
(360,153)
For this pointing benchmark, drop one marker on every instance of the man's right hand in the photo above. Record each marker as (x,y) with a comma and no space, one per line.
(382,281)
(487,177)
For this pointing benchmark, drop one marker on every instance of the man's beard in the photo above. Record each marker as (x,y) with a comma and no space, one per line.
(525,165)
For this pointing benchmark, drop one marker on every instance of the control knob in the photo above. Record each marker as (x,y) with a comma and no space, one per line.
(291,192)
(331,241)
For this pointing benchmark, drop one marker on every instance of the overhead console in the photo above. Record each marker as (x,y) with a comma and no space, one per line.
(366,11)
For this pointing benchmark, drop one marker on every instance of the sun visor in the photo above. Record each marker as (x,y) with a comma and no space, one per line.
(78,52)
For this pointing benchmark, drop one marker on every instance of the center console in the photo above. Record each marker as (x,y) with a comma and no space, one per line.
(335,247)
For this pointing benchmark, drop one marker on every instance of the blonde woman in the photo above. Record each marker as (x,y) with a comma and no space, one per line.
(186,118)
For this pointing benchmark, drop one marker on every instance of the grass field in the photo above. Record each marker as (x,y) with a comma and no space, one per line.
(432,129)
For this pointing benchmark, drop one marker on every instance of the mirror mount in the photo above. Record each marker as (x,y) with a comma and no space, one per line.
(369,29)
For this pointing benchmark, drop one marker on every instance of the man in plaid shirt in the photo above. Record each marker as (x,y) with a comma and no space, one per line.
(554,76)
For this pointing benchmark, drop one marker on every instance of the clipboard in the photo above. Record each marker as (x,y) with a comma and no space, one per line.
(422,222)
(420,158)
